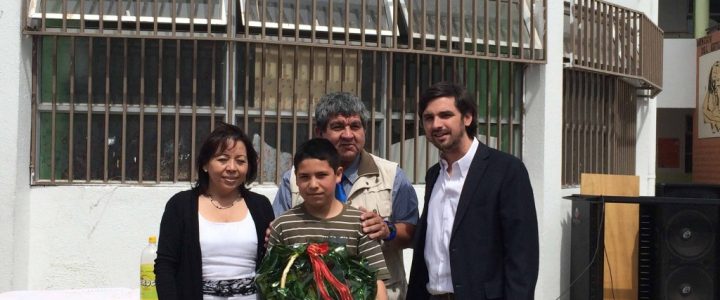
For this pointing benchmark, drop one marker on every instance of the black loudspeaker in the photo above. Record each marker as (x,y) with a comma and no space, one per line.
(678,256)
(586,253)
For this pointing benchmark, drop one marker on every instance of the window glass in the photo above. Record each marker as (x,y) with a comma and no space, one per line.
(199,11)
(475,20)
(300,13)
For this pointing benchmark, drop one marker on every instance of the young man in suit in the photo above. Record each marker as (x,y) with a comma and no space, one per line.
(477,237)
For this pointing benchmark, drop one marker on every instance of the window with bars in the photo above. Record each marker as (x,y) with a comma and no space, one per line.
(599,124)
(117,107)
(111,109)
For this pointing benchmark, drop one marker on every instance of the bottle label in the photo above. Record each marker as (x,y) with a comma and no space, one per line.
(147,282)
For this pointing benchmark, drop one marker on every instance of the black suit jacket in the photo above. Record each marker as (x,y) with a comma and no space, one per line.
(494,239)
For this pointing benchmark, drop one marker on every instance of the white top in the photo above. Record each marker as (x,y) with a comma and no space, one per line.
(441,216)
(228,249)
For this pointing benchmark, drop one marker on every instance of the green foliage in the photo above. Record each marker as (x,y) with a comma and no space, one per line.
(300,284)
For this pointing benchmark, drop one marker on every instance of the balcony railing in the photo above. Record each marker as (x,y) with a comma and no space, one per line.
(610,39)
(513,30)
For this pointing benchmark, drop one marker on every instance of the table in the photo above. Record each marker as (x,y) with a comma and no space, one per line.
(75,294)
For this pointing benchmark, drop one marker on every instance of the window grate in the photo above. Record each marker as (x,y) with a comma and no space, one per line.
(599,121)
(130,101)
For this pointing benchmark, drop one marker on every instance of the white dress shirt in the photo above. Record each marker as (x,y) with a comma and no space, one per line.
(441,215)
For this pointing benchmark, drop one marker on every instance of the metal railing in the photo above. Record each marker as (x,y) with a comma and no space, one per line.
(599,121)
(611,39)
(512,30)
(123,94)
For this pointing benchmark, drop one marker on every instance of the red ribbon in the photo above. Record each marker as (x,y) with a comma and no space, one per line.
(321,271)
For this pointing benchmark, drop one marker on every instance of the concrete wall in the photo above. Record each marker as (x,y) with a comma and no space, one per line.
(92,236)
(679,74)
(542,153)
(15,121)
(645,146)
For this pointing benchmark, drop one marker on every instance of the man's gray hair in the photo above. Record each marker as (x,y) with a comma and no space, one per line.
(339,103)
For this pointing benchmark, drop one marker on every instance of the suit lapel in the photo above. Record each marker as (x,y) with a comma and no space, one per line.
(430,180)
(472,183)
(432,177)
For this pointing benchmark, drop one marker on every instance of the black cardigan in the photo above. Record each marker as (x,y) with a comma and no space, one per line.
(178,267)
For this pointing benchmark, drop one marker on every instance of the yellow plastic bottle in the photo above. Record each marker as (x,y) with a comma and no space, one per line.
(147,270)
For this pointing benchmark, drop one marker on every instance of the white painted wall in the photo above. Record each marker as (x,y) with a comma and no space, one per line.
(542,154)
(92,236)
(645,148)
(14,121)
(648,7)
(679,74)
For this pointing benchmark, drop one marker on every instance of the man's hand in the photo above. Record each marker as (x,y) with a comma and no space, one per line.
(267,236)
(373,224)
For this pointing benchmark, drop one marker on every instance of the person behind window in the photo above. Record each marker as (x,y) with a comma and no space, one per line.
(211,236)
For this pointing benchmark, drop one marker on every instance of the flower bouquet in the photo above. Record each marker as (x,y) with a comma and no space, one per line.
(314,271)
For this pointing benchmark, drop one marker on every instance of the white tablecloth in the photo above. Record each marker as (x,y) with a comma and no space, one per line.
(75,294)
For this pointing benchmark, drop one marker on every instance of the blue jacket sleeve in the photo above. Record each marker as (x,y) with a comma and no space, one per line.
(404,200)
(283,199)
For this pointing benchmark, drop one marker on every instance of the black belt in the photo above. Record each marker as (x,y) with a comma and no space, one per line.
(446,296)
(230,287)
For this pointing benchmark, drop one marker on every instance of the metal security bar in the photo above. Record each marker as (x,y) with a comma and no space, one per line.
(110,109)
(599,124)
(512,30)
(129,98)
(614,40)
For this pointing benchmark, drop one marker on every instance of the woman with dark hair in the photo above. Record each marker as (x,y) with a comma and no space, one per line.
(212,236)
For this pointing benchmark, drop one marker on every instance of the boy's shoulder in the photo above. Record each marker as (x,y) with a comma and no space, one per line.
(291,214)
(351,211)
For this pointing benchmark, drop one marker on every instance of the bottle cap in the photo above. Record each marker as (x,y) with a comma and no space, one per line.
(152,239)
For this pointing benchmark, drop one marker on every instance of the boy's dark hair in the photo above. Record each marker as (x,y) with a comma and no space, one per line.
(216,143)
(463,101)
(317,148)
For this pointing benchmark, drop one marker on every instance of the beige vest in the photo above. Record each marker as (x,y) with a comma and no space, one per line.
(373,191)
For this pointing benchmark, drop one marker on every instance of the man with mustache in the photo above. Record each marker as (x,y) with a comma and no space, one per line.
(478,234)
(376,186)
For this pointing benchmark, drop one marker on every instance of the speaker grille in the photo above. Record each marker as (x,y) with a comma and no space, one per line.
(678,251)
(689,234)
(689,283)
